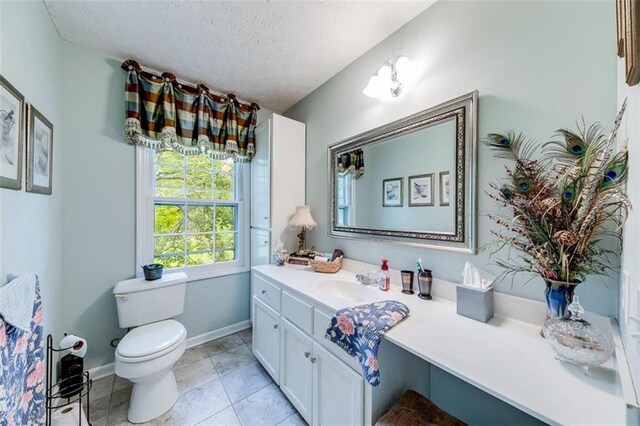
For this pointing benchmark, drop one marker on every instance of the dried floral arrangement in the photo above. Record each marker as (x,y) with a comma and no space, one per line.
(556,208)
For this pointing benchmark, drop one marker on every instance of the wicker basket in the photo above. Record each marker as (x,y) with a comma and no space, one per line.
(326,267)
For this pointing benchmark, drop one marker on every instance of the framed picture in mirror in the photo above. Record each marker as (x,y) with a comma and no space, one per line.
(392,192)
(445,188)
(421,192)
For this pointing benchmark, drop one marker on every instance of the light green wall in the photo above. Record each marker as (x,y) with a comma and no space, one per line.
(99,214)
(538,66)
(30,237)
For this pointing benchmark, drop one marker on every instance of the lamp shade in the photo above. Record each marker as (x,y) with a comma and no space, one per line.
(302,218)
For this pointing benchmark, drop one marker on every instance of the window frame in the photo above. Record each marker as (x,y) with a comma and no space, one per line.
(350,205)
(145,221)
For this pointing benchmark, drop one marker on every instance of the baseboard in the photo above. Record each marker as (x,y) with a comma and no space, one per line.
(108,369)
(96,373)
(216,334)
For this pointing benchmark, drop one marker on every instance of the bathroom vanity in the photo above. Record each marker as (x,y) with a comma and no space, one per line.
(505,358)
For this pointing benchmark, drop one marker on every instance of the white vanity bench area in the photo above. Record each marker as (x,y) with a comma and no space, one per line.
(506,358)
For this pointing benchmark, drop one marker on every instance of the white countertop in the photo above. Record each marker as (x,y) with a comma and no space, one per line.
(505,357)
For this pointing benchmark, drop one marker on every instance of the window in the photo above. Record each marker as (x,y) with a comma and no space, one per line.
(346,207)
(191,213)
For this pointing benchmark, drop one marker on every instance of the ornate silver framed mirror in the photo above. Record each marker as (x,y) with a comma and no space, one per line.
(412,181)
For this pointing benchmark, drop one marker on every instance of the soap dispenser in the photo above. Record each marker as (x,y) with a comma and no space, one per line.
(384,282)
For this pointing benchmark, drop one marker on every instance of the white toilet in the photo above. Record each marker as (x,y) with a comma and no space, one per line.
(146,355)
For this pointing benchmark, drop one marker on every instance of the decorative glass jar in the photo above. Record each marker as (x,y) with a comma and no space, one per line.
(578,341)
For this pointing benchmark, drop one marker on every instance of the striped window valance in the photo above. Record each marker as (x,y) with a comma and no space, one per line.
(164,114)
(352,162)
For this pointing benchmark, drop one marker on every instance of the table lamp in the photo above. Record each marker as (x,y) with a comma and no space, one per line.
(302,219)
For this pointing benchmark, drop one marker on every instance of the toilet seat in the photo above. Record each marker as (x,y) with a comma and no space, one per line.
(150,341)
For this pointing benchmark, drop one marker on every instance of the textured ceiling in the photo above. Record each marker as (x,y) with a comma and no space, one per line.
(271,52)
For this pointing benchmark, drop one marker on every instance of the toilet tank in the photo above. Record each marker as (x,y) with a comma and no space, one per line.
(142,302)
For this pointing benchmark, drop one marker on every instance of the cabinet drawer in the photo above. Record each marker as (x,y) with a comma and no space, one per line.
(267,292)
(298,312)
(321,320)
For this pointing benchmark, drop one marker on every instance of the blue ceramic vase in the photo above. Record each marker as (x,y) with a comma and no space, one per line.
(558,295)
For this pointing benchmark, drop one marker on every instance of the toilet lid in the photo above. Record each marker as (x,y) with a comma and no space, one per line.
(151,338)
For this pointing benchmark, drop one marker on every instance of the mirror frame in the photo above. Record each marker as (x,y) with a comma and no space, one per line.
(464,237)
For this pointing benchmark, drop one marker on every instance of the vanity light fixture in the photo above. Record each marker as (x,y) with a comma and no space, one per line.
(391,78)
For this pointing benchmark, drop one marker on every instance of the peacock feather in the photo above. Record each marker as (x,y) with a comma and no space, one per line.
(522,184)
(510,146)
(570,192)
(570,147)
(506,192)
(615,172)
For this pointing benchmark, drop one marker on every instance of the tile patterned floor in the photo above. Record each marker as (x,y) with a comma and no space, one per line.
(221,384)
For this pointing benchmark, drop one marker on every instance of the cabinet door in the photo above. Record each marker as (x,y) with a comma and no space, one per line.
(260,247)
(296,368)
(338,391)
(261,178)
(266,338)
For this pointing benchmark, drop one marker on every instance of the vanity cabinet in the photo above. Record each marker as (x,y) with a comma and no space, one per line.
(296,368)
(288,339)
(338,391)
(266,338)
(322,388)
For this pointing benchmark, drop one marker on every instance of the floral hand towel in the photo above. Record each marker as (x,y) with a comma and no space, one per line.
(22,369)
(358,331)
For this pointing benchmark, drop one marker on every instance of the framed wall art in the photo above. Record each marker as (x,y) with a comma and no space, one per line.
(445,188)
(421,191)
(39,152)
(11,135)
(628,38)
(392,192)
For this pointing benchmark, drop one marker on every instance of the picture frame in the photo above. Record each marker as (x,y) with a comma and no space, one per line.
(421,190)
(628,38)
(392,192)
(445,188)
(39,152)
(11,135)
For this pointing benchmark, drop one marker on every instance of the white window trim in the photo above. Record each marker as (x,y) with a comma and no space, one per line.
(145,223)
(351,205)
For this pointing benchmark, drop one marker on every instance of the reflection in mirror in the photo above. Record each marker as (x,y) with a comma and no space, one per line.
(417,157)
(409,181)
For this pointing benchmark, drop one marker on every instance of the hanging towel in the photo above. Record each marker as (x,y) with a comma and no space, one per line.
(16,301)
(22,365)
(358,331)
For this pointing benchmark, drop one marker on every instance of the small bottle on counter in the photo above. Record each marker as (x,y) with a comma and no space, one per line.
(384,282)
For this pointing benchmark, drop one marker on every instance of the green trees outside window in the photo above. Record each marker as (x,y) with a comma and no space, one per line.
(196,210)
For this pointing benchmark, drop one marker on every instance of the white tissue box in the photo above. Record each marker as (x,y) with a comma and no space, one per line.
(474,303)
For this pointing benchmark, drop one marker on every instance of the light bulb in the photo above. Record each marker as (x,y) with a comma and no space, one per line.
(405,69)
(373,89)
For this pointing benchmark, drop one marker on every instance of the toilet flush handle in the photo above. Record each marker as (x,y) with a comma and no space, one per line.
(122,296)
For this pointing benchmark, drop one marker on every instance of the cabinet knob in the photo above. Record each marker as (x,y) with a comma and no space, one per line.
(275,326)
(264,292)
(313,359)
(306,354)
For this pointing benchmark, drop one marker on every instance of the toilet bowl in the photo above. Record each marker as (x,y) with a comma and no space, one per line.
(146,356)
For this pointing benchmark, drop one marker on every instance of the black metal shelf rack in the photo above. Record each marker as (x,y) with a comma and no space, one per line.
(56,394)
